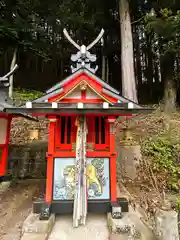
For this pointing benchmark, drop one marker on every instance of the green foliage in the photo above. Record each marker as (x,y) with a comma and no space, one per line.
(26,94)
(165,160)
(166,25)
(178,204)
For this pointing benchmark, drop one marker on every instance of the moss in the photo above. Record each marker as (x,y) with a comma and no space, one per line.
(27,94)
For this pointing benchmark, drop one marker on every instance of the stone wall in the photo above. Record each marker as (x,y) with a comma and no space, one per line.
(20,130)
(27,160)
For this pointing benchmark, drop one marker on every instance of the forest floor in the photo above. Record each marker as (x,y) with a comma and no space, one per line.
(15,206)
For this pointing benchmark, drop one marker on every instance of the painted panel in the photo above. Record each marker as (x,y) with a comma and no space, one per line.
(90,94)
(98,179)
(76,94)
(3,130)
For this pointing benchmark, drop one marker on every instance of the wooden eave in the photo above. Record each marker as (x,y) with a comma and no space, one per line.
(63,108)
(120,98)
(4,110)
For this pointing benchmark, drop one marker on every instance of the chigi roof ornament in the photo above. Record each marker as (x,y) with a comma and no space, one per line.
(83,58)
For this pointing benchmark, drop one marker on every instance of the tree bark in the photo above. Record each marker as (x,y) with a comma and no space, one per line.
(170,92)
(103,68)
(107,70)
(127,56)
(13,62)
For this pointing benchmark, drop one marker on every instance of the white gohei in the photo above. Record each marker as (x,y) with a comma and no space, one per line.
(28,104)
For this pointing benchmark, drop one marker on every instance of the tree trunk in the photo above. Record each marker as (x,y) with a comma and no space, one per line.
(138,57)
(127,56)
(103,68)
(107,70)
(13,62)
(170,92)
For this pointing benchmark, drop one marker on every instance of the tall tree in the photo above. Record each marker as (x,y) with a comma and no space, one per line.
(127,54)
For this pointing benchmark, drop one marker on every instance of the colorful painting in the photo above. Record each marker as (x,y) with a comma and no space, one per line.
(97,178)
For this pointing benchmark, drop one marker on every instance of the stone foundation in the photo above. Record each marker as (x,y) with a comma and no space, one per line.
(128,160)
(28,160)
(35,229)
(130,227)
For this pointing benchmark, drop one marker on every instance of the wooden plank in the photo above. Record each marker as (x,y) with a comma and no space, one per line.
(95,111)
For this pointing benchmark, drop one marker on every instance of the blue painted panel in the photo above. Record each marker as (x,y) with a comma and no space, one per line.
(98,179)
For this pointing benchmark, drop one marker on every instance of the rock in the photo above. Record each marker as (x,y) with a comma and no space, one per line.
(4,186)
(32,224)
(166,225)
(128,160)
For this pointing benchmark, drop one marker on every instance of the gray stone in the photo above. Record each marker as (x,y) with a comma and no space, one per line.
(95,228)
(128,160)
(34,236)
(130,227)
(4,186)
(166,225)
(32,224)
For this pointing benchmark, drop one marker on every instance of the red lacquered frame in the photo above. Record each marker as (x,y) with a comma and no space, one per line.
(4,147)
(104,153)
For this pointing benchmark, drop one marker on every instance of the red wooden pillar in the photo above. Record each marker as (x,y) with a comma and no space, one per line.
(50,160)
(4,148)
(113,156)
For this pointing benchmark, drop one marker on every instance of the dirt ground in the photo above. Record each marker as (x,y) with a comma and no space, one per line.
(15,205)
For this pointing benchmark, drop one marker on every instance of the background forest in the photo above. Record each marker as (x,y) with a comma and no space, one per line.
(31,31)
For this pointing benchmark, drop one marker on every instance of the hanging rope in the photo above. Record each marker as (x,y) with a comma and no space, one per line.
(80,198)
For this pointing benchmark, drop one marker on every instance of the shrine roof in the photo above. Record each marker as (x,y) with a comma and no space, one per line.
(4,106)
(75,74)
(42,106)
(5,101)
(106,88)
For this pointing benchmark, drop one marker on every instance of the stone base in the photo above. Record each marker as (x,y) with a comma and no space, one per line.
(128,160)
(34,236)
(129,227)
(33,228)
(4,186)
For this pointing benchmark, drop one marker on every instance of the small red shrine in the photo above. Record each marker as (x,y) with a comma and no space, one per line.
(81,157)
(5,120)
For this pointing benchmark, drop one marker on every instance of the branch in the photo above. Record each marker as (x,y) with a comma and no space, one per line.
(10,73)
